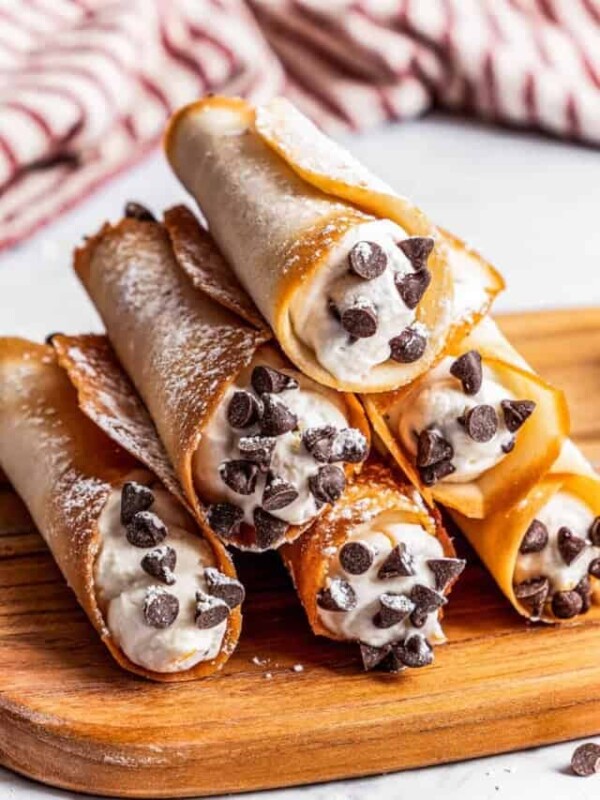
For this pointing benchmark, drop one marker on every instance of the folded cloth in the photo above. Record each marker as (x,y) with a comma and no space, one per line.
(88,84)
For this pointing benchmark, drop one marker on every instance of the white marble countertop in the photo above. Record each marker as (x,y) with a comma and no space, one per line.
(531,205)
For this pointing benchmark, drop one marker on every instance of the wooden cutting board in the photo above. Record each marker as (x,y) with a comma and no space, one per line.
(71,718)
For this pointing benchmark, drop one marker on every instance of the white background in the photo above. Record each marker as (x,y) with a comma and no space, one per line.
(531,205)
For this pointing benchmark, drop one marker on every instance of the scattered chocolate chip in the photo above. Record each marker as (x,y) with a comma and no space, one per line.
(533,594)
(417,249)
(145,529)
(535,539)
(258,450)
(569,545)
(408,346)
(391,663)
(594,532)
(436,472)
(394,608)
(584,590)
(445,571)
(356,558)
(269,529)
(367,260)
(240,476)
(480,423)
(244,409)
(225,519)
(412,286)
(318,442)
(373,657)
(338,596)
(566,605)
(137,211)
(278,494)
(160,607)
(277,418)
(509,446)
(594,568)
(516,412)
(266,380)
(349,445)
(415,651)
(160,563)
(432,448)
(360,320)
(467,368)
(585,761)
(134,497)
(210,611)
(426,601)
(328,484)
(398,564)
(225,588)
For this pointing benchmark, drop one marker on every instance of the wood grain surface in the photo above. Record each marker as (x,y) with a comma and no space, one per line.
(70,717)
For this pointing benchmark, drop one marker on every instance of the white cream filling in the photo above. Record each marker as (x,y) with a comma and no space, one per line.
(313,406)
(438,400)
(121,585)
(382,534)
(562,510)
(314,324)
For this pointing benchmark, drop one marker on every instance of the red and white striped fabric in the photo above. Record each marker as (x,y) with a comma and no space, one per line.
(86,85)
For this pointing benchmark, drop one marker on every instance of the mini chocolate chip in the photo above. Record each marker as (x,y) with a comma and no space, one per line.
(585,761)
(570,546)
(566,605)
(467,368)
(398,564)
(367,260)
(584,589)
(269,529)
(432,448)
(146,530)
(426,601)
(516,412)
(445,571)
(225,588)
(417,249)
(338,596)
(594,568)
(134,497)
(240,476)
(373,657)
(360,320)
(481,423)
(392,663)
(225,519)
(258,450)
(436,472)
(412,286)
(160,607)
(349,445)
(244,409)
(160,563)
(594,532)
(328,484)
(266,380)
(277,418)
(533,594)
(356,558)
(137,211)
(415,651)
(210,611)
(509,446)
(318,442)
(535,539)
(408,346)
(394,608)
(278,494)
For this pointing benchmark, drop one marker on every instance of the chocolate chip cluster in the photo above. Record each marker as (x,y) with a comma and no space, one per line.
(145,529)
(435,453)
(368,260)
(535,592)
(262,415)
(414,607)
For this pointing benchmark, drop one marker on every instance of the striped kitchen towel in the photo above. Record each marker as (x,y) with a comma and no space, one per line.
(87,85)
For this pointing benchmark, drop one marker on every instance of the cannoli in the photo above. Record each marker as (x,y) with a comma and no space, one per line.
(544,552)
(160,590)
(477,431)
(262,446)
(376,569)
